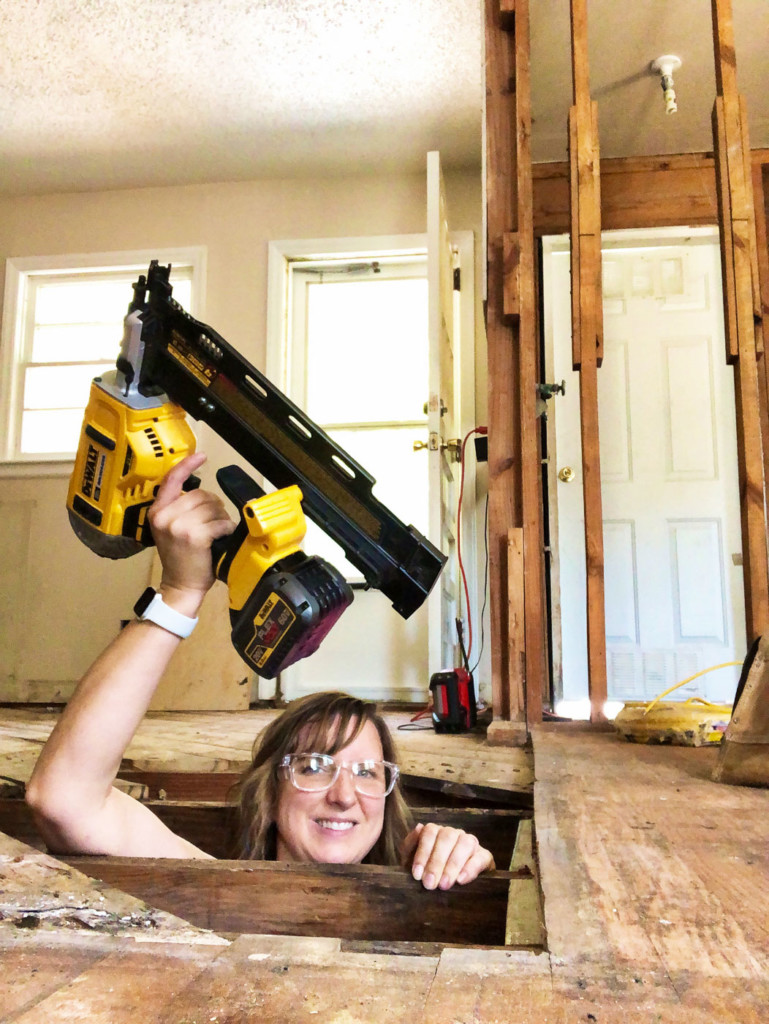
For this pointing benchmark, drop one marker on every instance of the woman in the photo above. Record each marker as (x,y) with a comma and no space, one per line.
(322,785)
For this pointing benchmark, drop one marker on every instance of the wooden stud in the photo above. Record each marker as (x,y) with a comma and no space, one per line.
(727,242)
(511,298)
(762,256)
(587,339)
(503,415)
(516,612)
(580,62)
(576,328)
(514,462)
(743,309)
(531,476)
(752,227)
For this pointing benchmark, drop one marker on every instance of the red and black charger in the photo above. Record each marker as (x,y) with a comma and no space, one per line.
(454,707)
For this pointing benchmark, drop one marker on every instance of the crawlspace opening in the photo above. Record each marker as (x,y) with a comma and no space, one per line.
(381,907)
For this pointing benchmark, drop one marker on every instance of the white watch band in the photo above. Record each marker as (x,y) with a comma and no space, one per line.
(151,608)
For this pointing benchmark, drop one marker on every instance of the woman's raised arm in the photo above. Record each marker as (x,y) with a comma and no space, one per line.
(71,793)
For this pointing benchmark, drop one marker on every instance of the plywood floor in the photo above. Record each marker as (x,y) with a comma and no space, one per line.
(655,884)
(222,741)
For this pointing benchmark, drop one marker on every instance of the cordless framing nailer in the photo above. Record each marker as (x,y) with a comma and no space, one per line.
(282,602)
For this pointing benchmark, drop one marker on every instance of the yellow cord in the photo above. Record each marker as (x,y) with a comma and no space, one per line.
(683,682)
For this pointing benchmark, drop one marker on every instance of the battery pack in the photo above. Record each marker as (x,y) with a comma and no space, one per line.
(289,613)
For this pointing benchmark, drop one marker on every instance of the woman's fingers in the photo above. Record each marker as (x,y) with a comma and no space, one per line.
(173,482)
(447,855)
(409,844)
(184,525)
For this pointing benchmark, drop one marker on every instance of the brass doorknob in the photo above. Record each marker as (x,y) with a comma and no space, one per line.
(566,474)
(419,445)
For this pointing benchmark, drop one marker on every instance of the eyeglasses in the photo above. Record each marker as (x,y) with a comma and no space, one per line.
(315,773)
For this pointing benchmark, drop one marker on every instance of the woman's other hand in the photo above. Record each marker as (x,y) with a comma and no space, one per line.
(184,525)
(441,856)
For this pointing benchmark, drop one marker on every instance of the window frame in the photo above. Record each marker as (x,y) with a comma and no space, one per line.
(20,272)
(285,303)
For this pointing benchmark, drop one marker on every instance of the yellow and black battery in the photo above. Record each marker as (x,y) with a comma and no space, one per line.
(282,601)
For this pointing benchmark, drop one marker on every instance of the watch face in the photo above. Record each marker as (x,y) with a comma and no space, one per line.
(144,602)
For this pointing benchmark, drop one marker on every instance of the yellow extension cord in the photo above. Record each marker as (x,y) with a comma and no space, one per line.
(701,700)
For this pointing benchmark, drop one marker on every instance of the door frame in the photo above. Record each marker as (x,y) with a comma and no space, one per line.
(550,245)
(282,253)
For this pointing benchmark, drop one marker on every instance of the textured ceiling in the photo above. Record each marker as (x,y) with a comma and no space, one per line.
(101,94)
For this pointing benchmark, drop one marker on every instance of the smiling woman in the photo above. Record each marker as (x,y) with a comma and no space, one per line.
(322,786)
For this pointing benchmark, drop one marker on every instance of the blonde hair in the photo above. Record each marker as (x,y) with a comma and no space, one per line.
(323,723)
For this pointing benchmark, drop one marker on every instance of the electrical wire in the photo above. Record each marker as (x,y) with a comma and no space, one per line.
(485,583)
(468,435)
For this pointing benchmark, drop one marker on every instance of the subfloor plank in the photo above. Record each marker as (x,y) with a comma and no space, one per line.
(133,984)
(222,742)
(294,982)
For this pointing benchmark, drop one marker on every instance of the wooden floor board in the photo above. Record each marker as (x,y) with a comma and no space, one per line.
(222,741)
(656,902)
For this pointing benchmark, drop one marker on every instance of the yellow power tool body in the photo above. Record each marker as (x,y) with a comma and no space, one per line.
(282,602)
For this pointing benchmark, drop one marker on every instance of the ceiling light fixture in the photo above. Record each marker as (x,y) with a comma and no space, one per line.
(664,67)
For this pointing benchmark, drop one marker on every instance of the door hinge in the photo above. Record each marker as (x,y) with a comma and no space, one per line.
(457,279)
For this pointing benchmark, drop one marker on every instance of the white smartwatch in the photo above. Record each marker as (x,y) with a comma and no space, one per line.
(151,608)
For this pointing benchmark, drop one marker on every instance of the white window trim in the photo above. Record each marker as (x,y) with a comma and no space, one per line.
(17,272)
(282,253)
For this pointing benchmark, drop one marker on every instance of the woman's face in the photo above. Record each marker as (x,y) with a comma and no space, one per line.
(338,825)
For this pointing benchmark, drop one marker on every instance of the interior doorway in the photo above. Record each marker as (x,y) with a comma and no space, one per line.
(672,541)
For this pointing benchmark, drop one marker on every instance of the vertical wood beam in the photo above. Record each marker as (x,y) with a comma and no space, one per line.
(742,311)
(514,442)
(531,463)
(760,196)
(503,420)
(587,338)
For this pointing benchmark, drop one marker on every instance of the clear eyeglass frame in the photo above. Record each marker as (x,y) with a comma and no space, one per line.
(324,781)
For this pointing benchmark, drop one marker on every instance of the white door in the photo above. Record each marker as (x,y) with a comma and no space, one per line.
(443,422)
(672,541)
(367,381)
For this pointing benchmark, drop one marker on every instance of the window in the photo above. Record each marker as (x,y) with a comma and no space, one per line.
(356,360)
(62,326)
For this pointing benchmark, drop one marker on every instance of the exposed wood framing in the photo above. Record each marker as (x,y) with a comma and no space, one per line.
(759,173)
(742,310)
(587,338)
(354,901)
(513,370)
(212,826)
(525,924)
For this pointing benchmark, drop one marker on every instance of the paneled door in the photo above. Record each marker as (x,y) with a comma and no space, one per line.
(672,541)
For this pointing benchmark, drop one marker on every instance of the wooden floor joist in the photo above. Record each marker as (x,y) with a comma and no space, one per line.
(351,901)
(212,826)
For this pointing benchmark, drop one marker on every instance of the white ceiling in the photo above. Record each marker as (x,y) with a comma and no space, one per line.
(99,94)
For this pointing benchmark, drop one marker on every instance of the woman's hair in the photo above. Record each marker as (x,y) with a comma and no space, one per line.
(321,723)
